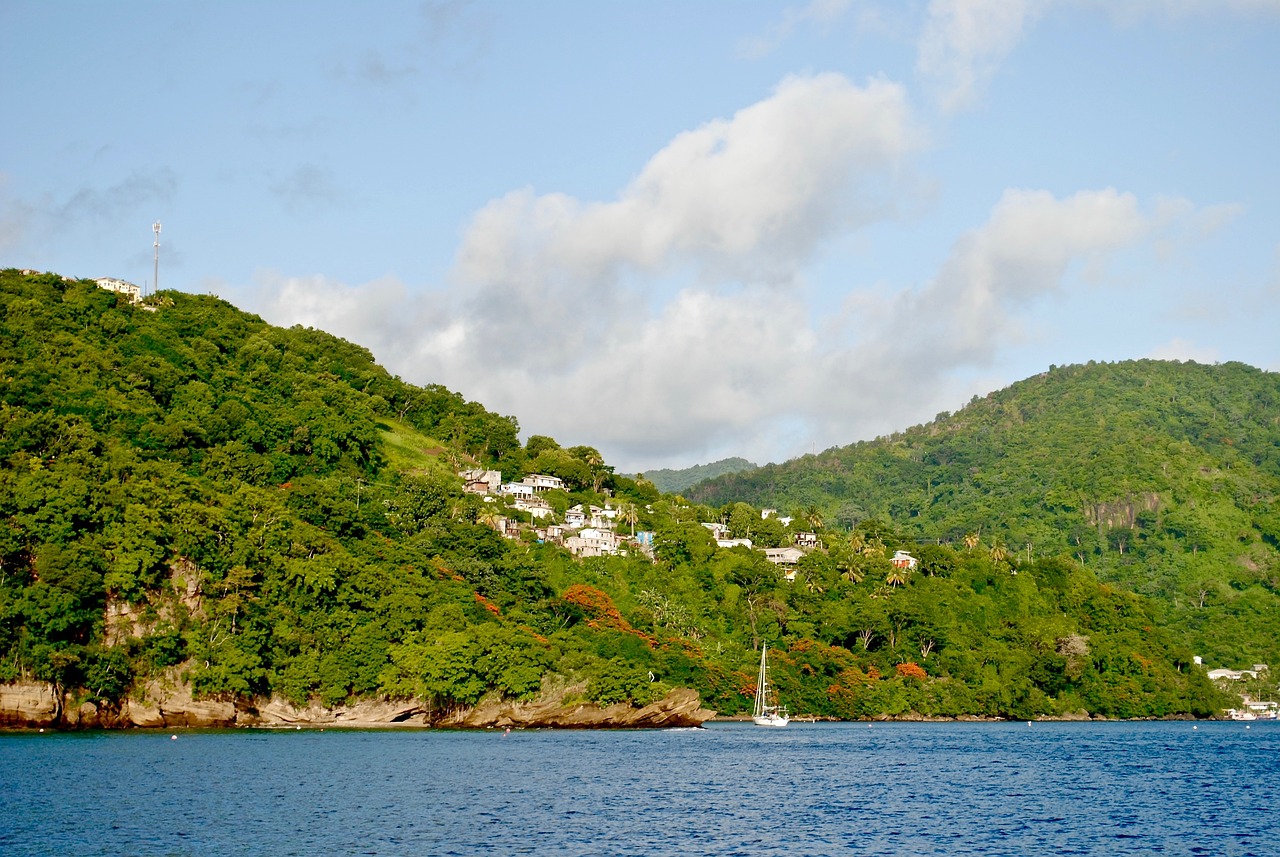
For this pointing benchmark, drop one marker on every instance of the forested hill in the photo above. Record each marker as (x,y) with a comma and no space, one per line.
(677,481)
(1161,476)
(190,494)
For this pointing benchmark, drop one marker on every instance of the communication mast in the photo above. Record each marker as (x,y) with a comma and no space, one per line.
(155,282)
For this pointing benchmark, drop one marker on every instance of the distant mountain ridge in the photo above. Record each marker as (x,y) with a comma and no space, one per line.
(678,481)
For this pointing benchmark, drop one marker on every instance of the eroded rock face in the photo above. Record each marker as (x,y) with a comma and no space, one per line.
(166,703)
(27,704)
(681,707)
(372,712)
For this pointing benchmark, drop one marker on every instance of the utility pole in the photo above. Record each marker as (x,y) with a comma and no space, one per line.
(155,282)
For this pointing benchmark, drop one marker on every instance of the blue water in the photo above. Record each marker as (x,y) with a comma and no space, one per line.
(728,789)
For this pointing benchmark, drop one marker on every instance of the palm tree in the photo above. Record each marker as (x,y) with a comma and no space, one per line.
(813,517)
(896,577)
(971,540)
(875,547)
(999,553)
(629,515)
(489,517)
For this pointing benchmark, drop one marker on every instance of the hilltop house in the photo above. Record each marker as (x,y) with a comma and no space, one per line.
(541,482)
(783,556)
(480,481)
(592,542)
(518,490)
(785,520)
(718,531)
(123,287)
(535,506)
(1236,675)
(902,559)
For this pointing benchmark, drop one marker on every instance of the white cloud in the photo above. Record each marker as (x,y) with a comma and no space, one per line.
(908,347)
(672,324)
(964,41)
(742,200)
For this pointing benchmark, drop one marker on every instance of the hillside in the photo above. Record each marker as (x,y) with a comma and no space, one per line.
(191,495)
(678,481)
(1160,477)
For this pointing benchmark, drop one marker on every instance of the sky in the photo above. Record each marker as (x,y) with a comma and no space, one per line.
(674,231)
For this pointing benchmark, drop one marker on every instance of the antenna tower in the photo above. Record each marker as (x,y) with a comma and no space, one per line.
(155,282)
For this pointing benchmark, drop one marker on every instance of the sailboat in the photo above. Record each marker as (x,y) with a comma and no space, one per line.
(767,711)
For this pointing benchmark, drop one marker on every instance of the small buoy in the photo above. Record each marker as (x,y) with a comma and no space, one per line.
(173,737)
(298,728)
(41,730)
(1193,728)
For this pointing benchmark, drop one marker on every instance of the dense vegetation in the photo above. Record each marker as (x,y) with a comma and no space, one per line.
(184,487)
(677,481)
(1160,477)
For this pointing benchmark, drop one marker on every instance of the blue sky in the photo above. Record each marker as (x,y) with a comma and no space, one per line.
(674,231)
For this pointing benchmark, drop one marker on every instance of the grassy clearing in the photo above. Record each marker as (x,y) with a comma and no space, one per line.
(410,451)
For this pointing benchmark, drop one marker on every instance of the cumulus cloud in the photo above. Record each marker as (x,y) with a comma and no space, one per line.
(672,323)
(747,370)
(740,200)
(899,356)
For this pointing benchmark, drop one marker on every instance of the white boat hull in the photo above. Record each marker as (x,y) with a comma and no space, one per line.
(767,711)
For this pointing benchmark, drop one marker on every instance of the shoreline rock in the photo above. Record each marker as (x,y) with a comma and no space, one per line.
(166,703)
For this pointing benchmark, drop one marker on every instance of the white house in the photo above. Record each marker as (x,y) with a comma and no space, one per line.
(783,556)
(902,559)
(535,506)
(518,490)
(718,531)
(1236,675)
(542,482)
(806,540)
(124,287)
(592,542)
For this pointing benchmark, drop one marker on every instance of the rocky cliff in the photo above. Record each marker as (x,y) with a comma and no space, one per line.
(166,703)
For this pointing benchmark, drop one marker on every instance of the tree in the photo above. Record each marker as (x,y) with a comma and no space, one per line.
(629,514)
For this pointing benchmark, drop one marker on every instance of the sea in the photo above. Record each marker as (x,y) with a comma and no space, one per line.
(1104,788)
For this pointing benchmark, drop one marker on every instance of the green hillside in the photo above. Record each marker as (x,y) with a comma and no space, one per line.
(678,481)
(265,511)
(1160,477)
